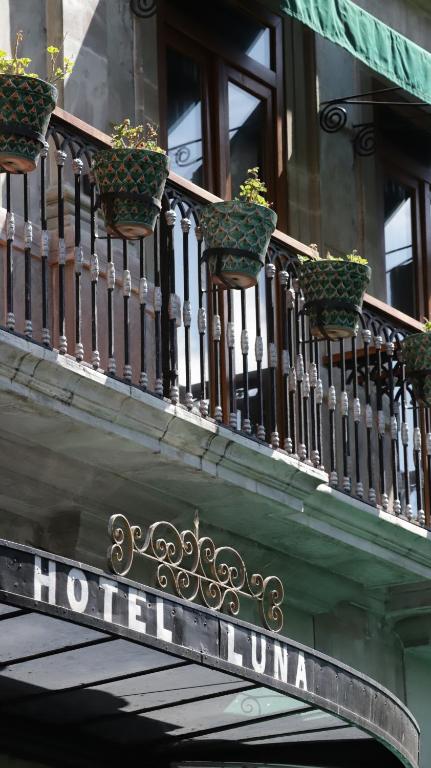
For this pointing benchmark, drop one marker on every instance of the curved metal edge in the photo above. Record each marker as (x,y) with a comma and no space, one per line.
(406,757)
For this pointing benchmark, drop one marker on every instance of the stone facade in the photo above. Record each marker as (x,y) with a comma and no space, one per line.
(353,576)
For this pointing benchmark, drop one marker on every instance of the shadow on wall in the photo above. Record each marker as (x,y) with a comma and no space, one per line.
(98,36)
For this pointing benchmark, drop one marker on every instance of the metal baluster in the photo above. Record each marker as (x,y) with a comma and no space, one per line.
(110,283)
(405,443)
(10,234)
(94,270)
(299,368)
(344,411)
(272,355)
(28,239)
(359,488)
(390,349)
(319,403)
(60,157)
(314,455)
(332,404)
(291,318)
(216,335)
(246,425)
(143,297)
(284,282)
(158,386)
(44,249)
(258,351)
(305,391)
(202,326)
(77,166)
(231,362)
(381,424)
(428,460)
(366,337)
(173,313)
(187,311)
(417,450)
(127,292)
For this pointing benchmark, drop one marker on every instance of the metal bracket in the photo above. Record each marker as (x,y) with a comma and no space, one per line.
(333,117)
(143,8)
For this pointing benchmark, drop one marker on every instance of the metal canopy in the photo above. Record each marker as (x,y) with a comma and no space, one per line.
(96,669)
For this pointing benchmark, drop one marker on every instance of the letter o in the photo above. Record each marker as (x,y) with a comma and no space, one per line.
(77,604)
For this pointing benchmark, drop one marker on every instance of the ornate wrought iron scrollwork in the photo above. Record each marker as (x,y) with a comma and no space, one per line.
(332,118)
(143,8)
(364,142)
(193,568)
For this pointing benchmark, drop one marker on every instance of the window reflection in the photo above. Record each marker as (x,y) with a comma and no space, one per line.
(231,25)
(260,50)
(184,104)
(399,256)
(246,113)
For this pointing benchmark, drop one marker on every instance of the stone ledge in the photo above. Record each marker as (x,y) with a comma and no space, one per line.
(59,382)
(311,520)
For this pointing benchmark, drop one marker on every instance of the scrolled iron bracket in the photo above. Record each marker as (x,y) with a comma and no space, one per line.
(332,118)
(192,567)
(143,8)
(364,142)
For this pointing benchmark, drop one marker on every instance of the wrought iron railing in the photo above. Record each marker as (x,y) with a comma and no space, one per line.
(146,312)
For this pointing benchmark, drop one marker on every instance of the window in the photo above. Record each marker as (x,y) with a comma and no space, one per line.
(221,85)
(400,246)
(405,182)
(221,112)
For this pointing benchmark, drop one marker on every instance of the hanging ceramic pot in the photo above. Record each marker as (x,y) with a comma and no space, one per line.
(26,104)
(237,235)
(333,293)
(131,182)
(416,351)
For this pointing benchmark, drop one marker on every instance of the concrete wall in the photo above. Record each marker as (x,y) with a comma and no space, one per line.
(108,45)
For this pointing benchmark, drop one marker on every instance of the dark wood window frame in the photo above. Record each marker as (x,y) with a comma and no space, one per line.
(417,179)
(221,61)
(394,160)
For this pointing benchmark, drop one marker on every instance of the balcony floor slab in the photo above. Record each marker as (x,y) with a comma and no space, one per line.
(78,446)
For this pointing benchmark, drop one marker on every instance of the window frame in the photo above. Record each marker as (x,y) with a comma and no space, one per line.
(179,31)
(402,169)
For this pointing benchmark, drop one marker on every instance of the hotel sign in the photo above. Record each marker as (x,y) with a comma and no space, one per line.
(68,590)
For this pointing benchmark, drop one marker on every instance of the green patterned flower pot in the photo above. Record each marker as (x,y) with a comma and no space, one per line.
(236,237)
(340,283)
(26,104)
(131,184)
(417,357)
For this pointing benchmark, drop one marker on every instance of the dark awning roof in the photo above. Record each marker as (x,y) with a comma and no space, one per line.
(97,669)
(380,47)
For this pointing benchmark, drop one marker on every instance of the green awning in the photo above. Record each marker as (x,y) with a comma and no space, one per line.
(377,45)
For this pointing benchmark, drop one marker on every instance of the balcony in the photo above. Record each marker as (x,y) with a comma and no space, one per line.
(145,313)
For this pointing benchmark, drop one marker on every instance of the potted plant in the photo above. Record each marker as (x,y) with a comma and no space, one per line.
(26,103)
(416,350)
(237,234)
(333,290)
(131,177)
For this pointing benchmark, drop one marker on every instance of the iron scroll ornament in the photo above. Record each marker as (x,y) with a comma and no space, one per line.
(143,8)
(193,568)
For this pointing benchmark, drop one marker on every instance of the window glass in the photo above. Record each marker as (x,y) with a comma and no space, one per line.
(184,116)
(246,115)
(236,28)
(399,256)
(259,48)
